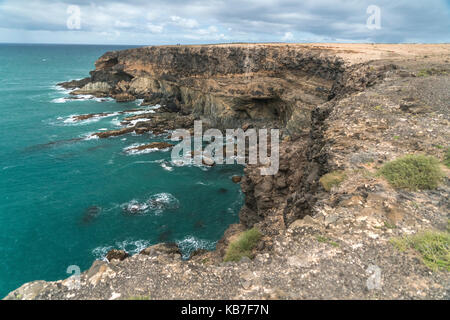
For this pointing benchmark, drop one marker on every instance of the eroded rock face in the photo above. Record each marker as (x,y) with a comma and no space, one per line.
(124,97)
(225,85)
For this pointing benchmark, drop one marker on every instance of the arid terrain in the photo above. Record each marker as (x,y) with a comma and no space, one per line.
(331,223)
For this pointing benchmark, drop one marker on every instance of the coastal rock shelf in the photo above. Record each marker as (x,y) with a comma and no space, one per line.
(326,219)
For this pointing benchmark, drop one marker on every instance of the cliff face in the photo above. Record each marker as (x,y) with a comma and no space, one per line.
(226,86)
(343,109)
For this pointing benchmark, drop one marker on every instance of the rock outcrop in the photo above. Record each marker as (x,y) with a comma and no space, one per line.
(224,85)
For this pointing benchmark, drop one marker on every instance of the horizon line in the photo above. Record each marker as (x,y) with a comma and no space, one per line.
(218,43)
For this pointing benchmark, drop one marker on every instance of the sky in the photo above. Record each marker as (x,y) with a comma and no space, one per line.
(155,22)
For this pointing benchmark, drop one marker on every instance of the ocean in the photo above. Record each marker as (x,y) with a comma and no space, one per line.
(63,196)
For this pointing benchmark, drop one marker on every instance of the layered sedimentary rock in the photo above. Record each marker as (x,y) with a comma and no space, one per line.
(224,85)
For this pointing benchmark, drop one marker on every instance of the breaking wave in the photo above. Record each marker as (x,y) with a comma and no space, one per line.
(130,246)
(157,204)
(191,243)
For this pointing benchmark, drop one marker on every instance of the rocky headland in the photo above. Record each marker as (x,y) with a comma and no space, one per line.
(329,225)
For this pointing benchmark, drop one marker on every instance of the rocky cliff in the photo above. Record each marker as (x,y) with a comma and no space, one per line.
(225,85)
(328,218)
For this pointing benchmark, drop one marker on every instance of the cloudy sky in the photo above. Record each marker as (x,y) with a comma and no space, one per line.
(149,22)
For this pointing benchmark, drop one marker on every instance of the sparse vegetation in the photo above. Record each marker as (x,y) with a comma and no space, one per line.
(323,239)
(389,225)
(424,73)
(433,246)
(243,246)
(332,179)
(413,172)
(447,158)
(378,108)
(430,72)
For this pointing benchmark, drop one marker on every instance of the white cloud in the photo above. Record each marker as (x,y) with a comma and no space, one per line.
(203,21)
(288,36)
(153,28)
(185,23)
(122,24)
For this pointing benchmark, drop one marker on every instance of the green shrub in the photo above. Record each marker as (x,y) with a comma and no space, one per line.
(424,73)
(447,158)
(431,72)
(433,246)
(332,179)
(413,172)
(243,245)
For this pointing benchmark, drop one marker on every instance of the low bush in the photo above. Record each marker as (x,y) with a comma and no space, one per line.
(433,246)
(243,245)
(413,172)
(332,179)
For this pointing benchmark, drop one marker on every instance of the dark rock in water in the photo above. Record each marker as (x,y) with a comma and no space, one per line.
(164,236)
(91,213)
(74,83)
(96,148)
(113,133)
(51,144)
(117,255)
(164,248)
(82,117)
(236,179)
(223,190)
(199,224)
(141,130)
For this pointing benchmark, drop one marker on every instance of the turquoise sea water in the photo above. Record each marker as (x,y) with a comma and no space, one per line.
(62,197)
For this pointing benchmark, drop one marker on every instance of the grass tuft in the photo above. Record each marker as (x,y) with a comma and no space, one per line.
(332,179)
(433,246)
(243,246)
(323,239)
(413,172)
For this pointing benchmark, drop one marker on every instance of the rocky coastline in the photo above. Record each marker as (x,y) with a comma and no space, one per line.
(345,109)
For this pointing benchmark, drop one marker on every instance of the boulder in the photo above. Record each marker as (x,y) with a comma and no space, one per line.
(236,179)
(117,255)
(162,248)
(124,97)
